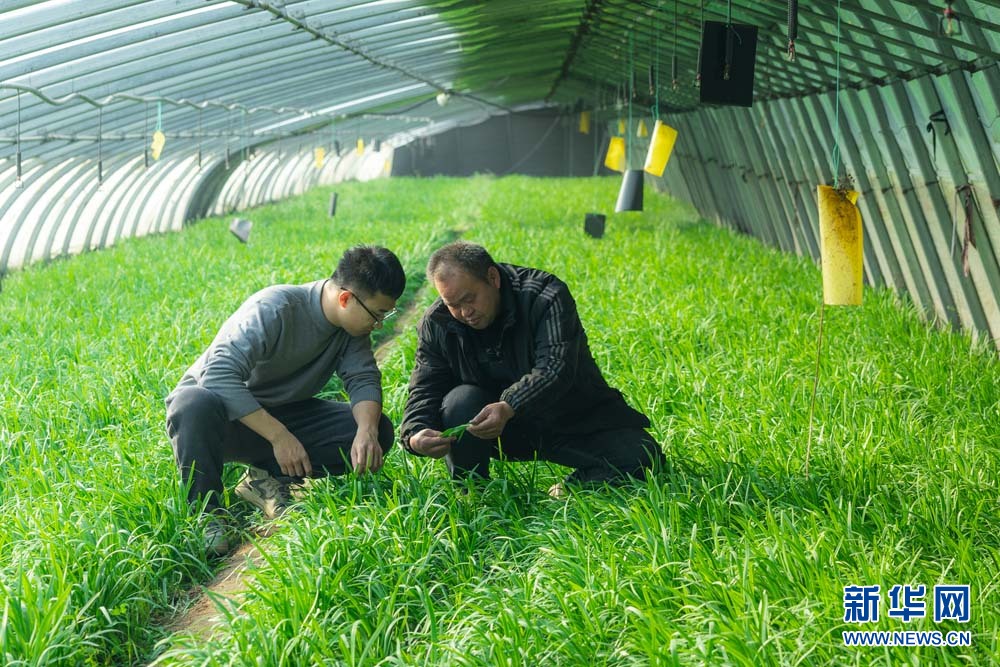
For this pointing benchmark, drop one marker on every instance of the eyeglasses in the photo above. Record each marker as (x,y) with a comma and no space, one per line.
(378,320)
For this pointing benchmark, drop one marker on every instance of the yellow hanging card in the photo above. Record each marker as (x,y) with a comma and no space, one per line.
(361,146)
(615,157)
(841,246)
(660,147)
(319,154)
(621,126)
(584,122)
(156,147)
(642,130)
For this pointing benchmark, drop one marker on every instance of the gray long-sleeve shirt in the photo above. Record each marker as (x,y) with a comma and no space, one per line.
(278,348)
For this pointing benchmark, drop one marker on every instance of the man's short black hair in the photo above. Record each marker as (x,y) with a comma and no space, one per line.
(469,257)
(370,269)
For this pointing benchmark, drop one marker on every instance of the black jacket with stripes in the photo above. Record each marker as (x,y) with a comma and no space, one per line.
(559,389)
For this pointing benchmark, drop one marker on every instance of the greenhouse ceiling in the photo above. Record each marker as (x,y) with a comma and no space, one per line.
(76,73)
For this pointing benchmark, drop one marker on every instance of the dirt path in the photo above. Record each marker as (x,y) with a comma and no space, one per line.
(202,614)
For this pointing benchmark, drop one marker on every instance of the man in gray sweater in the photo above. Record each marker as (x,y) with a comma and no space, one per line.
(250,397)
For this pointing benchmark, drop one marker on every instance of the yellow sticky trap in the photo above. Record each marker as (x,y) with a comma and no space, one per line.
(642,130)
(841,246)
(621,126)
(361,146)
(660,148)
(584,122)
(156,147)
(615,157)
(319,154)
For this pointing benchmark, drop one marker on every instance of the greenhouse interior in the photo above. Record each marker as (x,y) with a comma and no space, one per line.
(558,332)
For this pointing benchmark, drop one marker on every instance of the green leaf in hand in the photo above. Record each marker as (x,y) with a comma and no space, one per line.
(455,432)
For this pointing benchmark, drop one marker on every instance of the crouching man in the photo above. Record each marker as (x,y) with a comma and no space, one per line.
(250,397)
(503,349)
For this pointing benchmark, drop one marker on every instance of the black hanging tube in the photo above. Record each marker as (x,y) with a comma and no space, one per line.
(145,135)
(100,145)
(673,56)
(793,27)
(201,138)
(729,52)
(229,132)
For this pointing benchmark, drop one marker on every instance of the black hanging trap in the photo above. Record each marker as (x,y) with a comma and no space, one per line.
(593,225)
(728,56)
(240,228)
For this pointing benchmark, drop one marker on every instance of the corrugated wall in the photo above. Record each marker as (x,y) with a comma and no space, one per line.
(929,197)
(543,142)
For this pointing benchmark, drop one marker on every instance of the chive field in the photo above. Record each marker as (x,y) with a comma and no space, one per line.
(730,556)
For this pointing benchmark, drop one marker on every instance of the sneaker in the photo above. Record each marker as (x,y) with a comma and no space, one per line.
(558,490)
(272,495)
(216,538)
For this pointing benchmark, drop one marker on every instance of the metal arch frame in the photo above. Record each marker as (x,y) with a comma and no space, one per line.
(90,199)
(137,122)
(75,204)
(62,183)
(122,211)
(260,169)
(30,191)
(22,236)
(162,175)
(293,46)
(122,179)
(290,178)
(279,163)
(205,189)
(191,176)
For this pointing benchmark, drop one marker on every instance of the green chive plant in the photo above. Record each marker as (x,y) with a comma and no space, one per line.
(731,555)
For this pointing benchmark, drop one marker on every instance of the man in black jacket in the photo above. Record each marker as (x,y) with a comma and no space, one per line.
(503,349)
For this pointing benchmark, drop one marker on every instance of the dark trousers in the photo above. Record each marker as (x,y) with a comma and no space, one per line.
(203,438)
(607,455)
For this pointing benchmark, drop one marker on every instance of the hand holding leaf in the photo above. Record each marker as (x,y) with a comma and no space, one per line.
(455,432)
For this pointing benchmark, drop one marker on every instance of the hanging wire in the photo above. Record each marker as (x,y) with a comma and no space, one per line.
(731,35)
(673,56)
(145,134)
(630,81)
(812,400)
(656,72)
(654,53)
(701,39)
(793,27)
(836,129)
